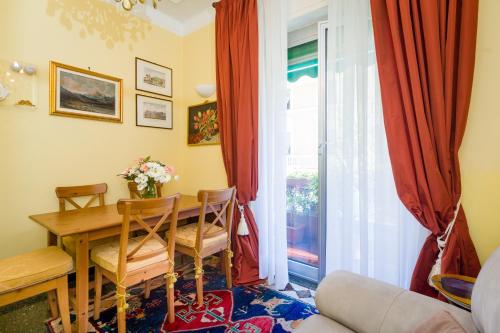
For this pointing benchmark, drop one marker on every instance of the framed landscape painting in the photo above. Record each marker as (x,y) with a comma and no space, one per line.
(203,124)
(76,92)
(153,112)
(153,78)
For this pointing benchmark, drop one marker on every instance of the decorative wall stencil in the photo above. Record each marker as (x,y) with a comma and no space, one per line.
(18,84)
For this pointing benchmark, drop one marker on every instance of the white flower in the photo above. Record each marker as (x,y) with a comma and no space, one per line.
(141,181)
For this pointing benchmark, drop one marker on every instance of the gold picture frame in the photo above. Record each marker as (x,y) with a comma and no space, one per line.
(81,93)
(195,137)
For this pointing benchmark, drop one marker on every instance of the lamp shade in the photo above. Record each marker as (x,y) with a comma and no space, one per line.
(205,90)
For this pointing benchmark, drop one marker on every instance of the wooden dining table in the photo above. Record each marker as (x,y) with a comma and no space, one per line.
(94,223)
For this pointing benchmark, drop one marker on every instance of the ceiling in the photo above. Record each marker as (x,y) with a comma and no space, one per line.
(185,16)
(183,10)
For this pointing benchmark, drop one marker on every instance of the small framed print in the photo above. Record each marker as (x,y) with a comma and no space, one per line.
(154,112)
(76,92)
(153,78)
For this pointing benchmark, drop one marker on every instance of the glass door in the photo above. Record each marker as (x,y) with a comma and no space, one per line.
(303,177)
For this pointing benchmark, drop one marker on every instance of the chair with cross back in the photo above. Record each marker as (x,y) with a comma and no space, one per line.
(133,260)
(202,239)
(67,195)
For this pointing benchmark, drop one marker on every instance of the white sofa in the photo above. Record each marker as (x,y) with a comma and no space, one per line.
(348,302)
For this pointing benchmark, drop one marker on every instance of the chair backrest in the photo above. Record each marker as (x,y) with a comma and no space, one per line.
(139,210)
(135,193)
(68,193)
(224,199)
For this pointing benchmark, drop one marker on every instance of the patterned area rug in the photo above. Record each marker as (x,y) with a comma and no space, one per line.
(242,309)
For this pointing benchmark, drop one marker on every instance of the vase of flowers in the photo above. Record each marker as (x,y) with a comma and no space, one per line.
(146,174)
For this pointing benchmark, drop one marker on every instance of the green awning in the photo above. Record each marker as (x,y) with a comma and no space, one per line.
(306,68)
(303,61)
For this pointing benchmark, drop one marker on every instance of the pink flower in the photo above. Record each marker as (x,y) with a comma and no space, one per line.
(169,169)
(144,168)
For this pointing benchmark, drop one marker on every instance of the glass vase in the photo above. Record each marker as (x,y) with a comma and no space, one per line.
(149,192)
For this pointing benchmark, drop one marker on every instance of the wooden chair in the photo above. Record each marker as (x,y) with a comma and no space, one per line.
(204,238)
(67,195)
(135,194)
(33,273)
(130,261)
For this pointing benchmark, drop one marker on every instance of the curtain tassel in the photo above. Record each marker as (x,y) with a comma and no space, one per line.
(242,226)
(441,243)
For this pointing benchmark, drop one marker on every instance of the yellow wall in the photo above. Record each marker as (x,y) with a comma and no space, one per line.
(204,165)
(480,152)
(39,152)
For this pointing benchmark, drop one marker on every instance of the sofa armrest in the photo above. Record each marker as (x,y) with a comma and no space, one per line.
(366,305)
(354,301)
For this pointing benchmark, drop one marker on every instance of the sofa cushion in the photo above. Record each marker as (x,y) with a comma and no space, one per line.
(485,296)
(442,322)
(399,319)
(34,267)
(106,255)
(366,305)
(321,324)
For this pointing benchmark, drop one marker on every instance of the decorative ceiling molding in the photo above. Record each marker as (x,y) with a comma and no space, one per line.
(167,22)
(198,21)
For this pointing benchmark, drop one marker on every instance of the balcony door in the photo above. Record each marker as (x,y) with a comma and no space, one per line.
(305,163)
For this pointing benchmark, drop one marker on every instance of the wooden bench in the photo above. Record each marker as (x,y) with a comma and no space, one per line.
(37,272)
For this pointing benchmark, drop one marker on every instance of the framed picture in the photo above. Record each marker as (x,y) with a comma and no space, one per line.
(76,92)
(153,78)
(203,124)
(153,112)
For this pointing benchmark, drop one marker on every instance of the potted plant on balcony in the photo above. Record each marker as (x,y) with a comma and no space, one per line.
(302,207)
(296,220)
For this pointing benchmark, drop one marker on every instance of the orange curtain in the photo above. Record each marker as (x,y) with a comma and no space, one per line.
(426,53)
(236,33)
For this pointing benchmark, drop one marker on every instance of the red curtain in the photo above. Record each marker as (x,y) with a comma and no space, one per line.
(426,53)
(236,34)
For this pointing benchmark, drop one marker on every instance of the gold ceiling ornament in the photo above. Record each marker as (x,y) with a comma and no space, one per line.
(129,4)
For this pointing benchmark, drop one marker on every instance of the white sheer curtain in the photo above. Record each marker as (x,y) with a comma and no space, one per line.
(270,206)
(368,230)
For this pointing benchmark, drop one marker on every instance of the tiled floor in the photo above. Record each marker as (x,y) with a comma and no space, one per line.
(297,291)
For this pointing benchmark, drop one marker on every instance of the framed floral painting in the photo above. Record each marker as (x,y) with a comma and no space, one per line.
(203,124)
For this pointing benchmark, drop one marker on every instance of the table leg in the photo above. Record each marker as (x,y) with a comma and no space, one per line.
(82,281)
(52,295)
(51,239)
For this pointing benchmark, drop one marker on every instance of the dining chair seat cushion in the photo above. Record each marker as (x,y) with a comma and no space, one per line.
(106,255)
(69,243)
(186,236)
(33,267)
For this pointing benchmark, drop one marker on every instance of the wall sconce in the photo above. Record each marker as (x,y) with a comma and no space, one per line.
(205,90)
(19,68)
